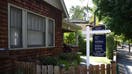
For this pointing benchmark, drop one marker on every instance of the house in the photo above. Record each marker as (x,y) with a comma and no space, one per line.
(32,28)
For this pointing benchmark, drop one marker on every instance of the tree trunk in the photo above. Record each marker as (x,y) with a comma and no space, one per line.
(116,45)
(129,47)
(94,19)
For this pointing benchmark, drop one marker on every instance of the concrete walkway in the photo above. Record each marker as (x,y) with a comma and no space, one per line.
(124,60)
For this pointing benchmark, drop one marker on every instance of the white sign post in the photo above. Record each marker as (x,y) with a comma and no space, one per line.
(88,32)
(88,45)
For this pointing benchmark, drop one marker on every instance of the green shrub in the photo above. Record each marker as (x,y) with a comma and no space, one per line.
(110,46)
(48,60)
(83,48)
(82,45)
(69,38)
(91,47)
(69,59)
(64,63)
(65,59)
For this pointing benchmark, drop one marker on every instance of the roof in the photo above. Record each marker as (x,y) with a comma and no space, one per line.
(64,7)
(69,27)
(78,21)
(60,4)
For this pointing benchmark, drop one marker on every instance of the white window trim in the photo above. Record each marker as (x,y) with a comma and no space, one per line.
(9,26)
(24,29)
(46,33)
(24,25)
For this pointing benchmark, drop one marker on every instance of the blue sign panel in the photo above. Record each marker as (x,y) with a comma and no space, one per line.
(99,43)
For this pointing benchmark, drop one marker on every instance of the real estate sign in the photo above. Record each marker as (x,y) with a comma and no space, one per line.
(99,42)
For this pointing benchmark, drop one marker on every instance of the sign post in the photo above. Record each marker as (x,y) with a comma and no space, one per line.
(88,33)
(88,45)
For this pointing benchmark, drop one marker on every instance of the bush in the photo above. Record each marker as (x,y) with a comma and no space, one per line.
(64,59)
(91,47)
(68,59)
(69,38)
(110,46)
(83,48)
(48,60)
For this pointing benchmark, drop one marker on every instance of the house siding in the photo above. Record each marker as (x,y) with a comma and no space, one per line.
(39,7)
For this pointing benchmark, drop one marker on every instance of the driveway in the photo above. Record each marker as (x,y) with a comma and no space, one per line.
(124,59)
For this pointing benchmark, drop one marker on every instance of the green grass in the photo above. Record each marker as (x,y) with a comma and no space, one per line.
(102,60)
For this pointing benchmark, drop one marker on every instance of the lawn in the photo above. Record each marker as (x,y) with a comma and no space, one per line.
(96,60)
(103,60)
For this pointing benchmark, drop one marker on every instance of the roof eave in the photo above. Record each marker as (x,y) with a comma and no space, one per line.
(64,8)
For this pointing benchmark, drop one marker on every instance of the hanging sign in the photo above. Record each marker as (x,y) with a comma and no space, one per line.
(99,42)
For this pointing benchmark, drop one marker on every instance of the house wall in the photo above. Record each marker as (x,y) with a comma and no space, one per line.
(37,6)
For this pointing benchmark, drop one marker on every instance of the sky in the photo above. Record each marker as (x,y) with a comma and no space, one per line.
(70,3)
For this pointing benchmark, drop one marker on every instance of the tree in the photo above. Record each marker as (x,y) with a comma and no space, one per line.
(92,10)
(118,39)
(117,15)
(77,12)
(110,46)
(93,18)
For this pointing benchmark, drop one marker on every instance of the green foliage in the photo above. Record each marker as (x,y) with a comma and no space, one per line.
(76,12)
(91,47)
(82,45)
(69,38)
(66,59)
(116,15)
(48,60)
(110,46)
(69,59)
(119,39)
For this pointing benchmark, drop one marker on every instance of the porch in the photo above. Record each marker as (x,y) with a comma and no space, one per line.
(68,28)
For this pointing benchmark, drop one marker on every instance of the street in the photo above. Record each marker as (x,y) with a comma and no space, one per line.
(124,59)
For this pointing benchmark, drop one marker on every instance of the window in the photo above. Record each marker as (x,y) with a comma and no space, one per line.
(15,27)
(28,29)
(51,33)
(36,30)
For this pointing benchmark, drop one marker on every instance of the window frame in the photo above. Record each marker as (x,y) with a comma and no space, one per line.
(43,18)
(53,32)
(25,28)
(16,28)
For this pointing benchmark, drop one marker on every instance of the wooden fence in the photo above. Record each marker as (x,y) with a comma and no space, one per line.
(33,68)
